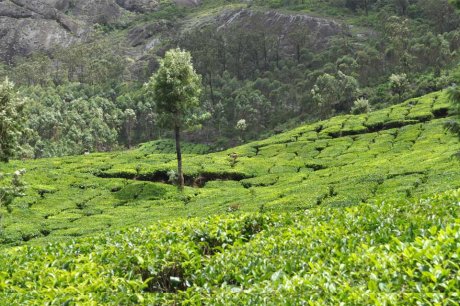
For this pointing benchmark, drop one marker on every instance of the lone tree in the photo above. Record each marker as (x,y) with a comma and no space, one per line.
(176,88)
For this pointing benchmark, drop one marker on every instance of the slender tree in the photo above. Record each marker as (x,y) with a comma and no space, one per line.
(129,122)
(176,88)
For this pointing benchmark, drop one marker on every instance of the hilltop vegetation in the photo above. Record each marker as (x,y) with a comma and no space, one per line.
(271,63)
(398,152)
(358,205)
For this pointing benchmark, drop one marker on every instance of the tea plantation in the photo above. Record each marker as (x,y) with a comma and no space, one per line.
(358,210)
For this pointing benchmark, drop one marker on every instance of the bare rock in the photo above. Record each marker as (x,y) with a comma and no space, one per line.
(96,11)
(12,10)
(141,6)
(144,35)
(30,26)
(187,2)
(282,24)
(26,35)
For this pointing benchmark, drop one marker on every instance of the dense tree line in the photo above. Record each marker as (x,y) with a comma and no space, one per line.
(90,96)
(265,76)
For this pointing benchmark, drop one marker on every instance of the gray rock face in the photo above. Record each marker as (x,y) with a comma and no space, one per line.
(26,27)
(282,24)
(141,6)
(12,10)
(94,11)
(188,2)
(143,35)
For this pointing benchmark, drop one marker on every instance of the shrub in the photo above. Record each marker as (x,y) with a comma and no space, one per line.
(360,106)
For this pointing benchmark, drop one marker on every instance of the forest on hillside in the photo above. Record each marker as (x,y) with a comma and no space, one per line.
(230,152)
(265,64)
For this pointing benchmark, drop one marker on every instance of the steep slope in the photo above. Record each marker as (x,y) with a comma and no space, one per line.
(396,153)
(26,27)
(44,25)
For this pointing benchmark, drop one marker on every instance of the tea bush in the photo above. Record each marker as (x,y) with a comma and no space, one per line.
(359,157)
(382,252)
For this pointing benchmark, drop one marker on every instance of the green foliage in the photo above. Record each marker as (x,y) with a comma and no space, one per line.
(453,94)
(341,223)
(353,155)
(264,66)
(334,93)
(347,219)
(379,252)
(69,120)
(11,190)
(399,84)
(167,146)
(176,88)
(11,121)
(360,106)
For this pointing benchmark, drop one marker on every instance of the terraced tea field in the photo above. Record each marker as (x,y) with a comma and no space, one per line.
(383,253)
(394,153)
(355,210)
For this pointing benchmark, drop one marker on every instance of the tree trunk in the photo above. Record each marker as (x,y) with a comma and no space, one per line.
(180,175)
(211,88)
(265,51)
(298,53)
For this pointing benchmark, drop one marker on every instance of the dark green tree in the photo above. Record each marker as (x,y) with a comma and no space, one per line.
(11,120)
(332,93)
(176,88)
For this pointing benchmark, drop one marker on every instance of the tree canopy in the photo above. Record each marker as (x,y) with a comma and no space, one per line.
(176,88)
(11,120)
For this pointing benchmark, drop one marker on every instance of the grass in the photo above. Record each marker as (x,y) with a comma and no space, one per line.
(398,152)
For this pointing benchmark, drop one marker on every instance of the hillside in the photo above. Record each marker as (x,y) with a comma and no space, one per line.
(272,63)
(356,209)
(394,153)
(320,152)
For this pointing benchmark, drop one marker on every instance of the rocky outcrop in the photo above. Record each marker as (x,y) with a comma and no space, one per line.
(321,29)
(143,34)
(11,10)
(141,6)
(188,2)
(27,26)
(94,11)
